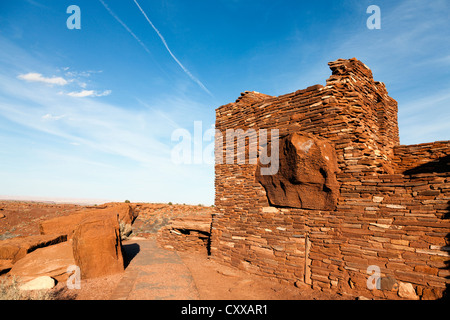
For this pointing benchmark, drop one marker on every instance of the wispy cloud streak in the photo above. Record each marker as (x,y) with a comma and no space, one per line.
(37,77)
(89,93)
(171,53)
(125,26)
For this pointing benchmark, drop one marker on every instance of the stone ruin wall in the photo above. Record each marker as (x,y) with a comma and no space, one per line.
(186,234)
(392,209)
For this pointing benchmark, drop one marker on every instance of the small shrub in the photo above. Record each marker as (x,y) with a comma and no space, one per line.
(9,290)
(170,203)
(127,201)
(125,230)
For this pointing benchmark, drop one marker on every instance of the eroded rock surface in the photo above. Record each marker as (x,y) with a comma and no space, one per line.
(97,247)
(306,177)
(51,261)
(67,224)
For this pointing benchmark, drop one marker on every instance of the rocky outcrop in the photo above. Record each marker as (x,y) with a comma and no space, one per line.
(306,178)
(16,248)
(5,265)
(67,224)
(51,261)
(97,246)
(39,283)
(94,244)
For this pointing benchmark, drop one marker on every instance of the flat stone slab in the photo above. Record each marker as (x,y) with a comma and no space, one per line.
(154,274)
(51,261)
(17,248)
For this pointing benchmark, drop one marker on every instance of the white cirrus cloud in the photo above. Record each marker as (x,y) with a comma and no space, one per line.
(49,116)
(79,74)
(37,77)
(89,93)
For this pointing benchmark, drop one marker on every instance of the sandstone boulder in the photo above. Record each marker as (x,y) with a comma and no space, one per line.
(67,224)
(431,294)
(126,212)
(97,246)
(64,225)
(51,261)
(5,265)
(39,283)
(306,177)
(406,290)
(16,248)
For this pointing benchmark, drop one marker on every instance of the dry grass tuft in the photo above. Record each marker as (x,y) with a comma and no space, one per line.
(9,290)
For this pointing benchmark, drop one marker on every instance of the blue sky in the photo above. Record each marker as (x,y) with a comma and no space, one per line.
(89,113)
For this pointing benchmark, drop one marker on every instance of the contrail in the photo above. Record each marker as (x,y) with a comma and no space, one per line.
(134,36)
(125,26)
(173,56)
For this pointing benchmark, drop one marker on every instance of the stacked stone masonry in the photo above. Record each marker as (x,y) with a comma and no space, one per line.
(187,234)
(393,205)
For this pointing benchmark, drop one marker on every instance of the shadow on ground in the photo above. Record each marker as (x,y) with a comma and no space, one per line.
(129,251)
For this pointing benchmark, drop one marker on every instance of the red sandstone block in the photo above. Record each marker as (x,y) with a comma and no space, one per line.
(437,262)
(434,281)
(426,269)
(444,273)
(320,270)
(421,187)
(262,251)
(409,276)
(356,267)
(356,260)
(414,256)
(429,192)
(389,254)
(419,244)
(354,231)
(399,266)
(323,279)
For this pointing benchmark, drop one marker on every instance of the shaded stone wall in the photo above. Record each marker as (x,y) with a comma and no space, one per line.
(190,233)
(393,200)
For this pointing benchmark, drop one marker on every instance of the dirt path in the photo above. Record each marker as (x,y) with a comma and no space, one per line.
(154,274)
